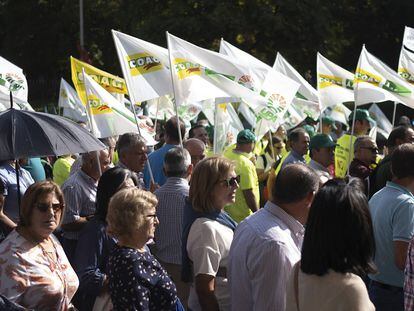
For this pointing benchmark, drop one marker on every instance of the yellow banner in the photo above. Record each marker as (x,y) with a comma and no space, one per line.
(143,63)
(406,75)
(97,107)
(362,75)
(185,68)
(326,80)
(109,82)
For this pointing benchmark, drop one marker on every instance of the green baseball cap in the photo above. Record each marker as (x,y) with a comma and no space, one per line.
(360,115)
(330,121)
(246,137)
(321,141)
(309,129)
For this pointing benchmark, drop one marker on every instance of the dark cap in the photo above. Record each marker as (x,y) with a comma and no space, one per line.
(360,115)
(309,129)
(246,137)
(321,141)
(330,121)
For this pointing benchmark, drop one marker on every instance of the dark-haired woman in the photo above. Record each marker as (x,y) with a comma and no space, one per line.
(337,249)
(95,245)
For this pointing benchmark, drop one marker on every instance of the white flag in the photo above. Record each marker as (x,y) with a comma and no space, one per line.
(109,117)
(12,79)
(70,103)
(406,65)
(408,40)
(201,74)
(276,87)
(376,82)
(382,122)
(145,67)
(306,91)
(335,84)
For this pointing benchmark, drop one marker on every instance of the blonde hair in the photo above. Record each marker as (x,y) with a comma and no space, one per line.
(206,175)
(126,210)
(32,194)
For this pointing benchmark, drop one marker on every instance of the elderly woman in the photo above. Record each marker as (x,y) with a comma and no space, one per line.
(208,233)
(337,250)
(136,279)
(94,245)
(34,270)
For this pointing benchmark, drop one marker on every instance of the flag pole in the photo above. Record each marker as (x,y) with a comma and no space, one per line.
(89,111)
(216,104)
(175,97)
(133,101)
(394,113)
(271,146)
(156,116)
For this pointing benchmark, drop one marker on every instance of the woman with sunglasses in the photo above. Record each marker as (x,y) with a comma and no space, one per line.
(208,233)
(34,270)
(94,244)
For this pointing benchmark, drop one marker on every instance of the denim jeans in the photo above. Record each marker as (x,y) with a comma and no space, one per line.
(386,299)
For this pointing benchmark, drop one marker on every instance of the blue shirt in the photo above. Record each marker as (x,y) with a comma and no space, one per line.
(293,157)
(156,160)
(8,176)
(392,212)
(35,168)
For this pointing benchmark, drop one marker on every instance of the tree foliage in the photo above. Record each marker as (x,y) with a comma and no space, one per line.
(40,35)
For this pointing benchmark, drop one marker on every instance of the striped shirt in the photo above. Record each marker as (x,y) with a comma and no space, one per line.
(265,247)
(171,200)
(139,175)
(79,191)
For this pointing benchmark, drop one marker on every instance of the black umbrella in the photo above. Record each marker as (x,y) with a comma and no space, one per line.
(25,134)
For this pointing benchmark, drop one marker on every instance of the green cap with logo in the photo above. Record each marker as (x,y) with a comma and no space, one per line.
(360,115)
(246,137)
(330,121)
(321,141)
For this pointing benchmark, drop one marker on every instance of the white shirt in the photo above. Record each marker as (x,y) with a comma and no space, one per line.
(208,247)
(265,247)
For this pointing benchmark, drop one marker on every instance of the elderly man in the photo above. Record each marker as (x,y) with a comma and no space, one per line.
(79,191)
(132,152)
(267,244)
(366,151)
(344,151)
(196,148)
(171,201)
(299,145)
(322,153)
(248,194)
(156,158)
(199,132)
(382,173)
(392,212)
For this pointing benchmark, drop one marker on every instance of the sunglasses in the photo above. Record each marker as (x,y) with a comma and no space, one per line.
(232,182)
(44,207)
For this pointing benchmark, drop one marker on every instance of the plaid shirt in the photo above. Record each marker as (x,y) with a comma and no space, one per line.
(409,279)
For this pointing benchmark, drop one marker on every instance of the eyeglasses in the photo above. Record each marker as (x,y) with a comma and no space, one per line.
(152,216)
(232,181)
(372,149)
(44,207)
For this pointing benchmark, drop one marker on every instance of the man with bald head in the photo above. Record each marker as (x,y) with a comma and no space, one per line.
(196,148)
(267,244)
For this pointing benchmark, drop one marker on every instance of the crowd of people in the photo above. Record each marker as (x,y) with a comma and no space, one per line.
(317,218)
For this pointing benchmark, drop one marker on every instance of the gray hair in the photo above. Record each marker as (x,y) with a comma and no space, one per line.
(176,162)
(360,142)
(128,140)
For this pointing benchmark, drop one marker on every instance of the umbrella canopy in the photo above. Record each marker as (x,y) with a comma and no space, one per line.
(34,134)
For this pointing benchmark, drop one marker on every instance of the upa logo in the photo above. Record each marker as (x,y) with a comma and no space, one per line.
(15,82)
(276,103)
(143,63)
(247,81)
(185,69)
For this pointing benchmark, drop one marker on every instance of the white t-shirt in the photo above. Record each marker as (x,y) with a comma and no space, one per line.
(208,247)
